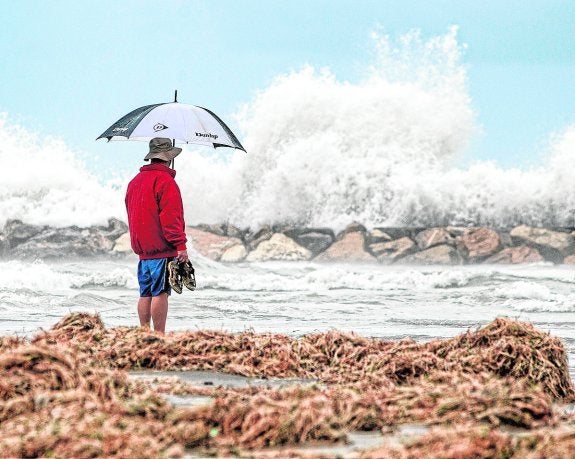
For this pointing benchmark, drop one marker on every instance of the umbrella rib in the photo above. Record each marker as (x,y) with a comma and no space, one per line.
(227,130)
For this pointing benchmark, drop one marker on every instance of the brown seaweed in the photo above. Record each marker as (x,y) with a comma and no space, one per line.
(67,394)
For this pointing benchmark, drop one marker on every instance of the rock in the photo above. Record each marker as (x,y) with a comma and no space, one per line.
(438,255)
(376,236)
(69,242)
(123,244)
(234,231)
(4,245)
(284,228)
(480,243)
(433,236)
(569,260)
(388,252)
(505,239)
(221,229)
(353,228)
(316,240)
(552,245)
(114,230)
(349,248)
(515,255)
(210,245)
(456,230)
(217,228)
(279,247)
(17,232)
(398,233)
(234,254)
(252,240)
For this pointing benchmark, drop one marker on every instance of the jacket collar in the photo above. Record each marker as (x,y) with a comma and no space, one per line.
(158,167)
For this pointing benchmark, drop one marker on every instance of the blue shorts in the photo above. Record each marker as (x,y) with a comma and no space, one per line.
(153,277)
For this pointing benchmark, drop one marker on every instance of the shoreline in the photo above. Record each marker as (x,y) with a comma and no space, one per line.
(226,243)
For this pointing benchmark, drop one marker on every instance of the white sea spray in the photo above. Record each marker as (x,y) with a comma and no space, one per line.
(43,182)
(323,152)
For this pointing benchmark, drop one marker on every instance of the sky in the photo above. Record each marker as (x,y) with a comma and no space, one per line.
(70,68)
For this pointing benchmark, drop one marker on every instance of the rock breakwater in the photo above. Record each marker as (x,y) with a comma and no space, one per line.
(226,243)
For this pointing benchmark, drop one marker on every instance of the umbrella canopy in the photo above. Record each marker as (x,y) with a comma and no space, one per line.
(181,122)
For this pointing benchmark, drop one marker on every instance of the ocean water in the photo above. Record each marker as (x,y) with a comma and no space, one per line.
(387,302)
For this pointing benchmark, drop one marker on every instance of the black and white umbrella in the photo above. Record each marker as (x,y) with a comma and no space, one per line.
(182,123)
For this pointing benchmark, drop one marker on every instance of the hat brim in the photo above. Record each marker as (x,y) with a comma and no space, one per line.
(167,155)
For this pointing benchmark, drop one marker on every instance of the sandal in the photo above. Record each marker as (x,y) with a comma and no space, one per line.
(174,276)
(187,273)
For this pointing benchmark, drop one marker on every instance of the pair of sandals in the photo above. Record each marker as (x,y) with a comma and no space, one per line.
(181,274)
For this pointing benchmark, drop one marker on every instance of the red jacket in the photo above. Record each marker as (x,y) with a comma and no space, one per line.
(155,213)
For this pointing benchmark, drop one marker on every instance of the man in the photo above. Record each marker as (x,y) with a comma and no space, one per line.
(157,230)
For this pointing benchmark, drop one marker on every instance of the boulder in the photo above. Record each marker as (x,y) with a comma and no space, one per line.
(353,228)
(123,244)
(398,233)
(221,229)
(234,254)
(388,252)
(279,247)
(516,255)
(505,239)
(433,236)
(69,242)
(456,230)
(552,245)
(252,240)
(4,245)
(376,236)
(17,232)
(437,255)
(316,240)
(479,243)
(569,260)
(217,228)
(114,230)
(210,245)
(349,248)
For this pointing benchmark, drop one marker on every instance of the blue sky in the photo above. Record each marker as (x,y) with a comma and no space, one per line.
(70,68)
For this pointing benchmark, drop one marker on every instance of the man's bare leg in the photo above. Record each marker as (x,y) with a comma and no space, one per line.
(144,310)
(160,312)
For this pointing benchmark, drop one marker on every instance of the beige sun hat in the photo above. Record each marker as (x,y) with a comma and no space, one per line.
(161,148)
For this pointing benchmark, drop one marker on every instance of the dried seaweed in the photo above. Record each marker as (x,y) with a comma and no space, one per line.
(67,394)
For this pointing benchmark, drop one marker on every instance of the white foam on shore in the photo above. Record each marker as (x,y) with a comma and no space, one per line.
(48,277)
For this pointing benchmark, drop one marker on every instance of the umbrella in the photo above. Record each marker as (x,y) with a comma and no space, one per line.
(183,123)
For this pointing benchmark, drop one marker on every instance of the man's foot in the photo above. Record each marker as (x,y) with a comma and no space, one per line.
(174,277)
(187,273)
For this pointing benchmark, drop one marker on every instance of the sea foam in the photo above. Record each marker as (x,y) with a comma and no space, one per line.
(43,182)
(383,151)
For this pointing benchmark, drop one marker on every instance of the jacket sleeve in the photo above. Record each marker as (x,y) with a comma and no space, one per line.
(171,212)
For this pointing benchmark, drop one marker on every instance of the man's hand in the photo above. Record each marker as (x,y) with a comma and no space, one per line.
(183,256)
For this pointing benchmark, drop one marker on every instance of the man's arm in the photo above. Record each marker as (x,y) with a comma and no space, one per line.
(171,211)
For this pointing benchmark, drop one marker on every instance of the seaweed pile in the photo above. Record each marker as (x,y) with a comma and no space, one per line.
(67,393)
(53,405)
